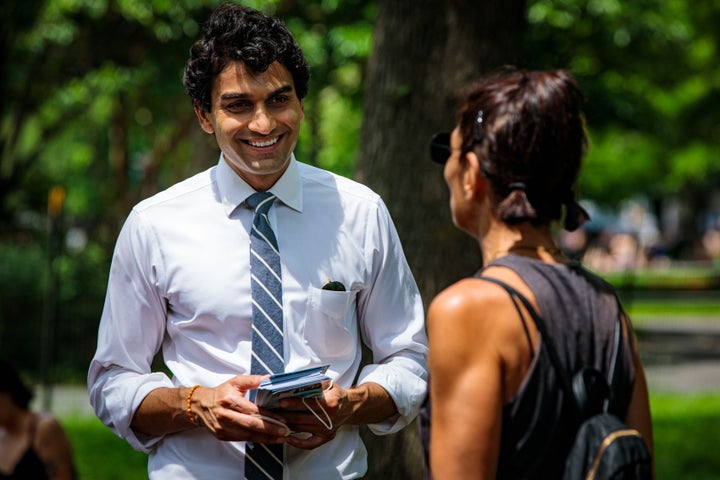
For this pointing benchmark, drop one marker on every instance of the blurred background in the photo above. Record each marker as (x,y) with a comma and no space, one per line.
(94,118)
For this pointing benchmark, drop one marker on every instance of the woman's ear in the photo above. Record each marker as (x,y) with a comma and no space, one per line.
(472,183)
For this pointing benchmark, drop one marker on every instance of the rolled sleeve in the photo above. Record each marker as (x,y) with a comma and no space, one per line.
(405,380)
(131,330)
(115,395)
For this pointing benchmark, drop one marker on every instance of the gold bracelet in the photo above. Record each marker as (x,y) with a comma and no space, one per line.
(190,415)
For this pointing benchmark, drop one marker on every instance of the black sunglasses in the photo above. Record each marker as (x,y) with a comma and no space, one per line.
(440,148)
(440,142)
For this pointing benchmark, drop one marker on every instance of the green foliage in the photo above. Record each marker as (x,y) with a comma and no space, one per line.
(339,143)
(649,71)
(24,276)
(620,164)
(22,284)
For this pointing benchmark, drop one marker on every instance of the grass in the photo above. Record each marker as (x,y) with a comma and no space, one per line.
(686,430)
(671,277)
(675,308)
(672,308)
(673,293)
(100,454)
(673,311)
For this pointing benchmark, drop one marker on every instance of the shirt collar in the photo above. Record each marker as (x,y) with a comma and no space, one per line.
(234,190)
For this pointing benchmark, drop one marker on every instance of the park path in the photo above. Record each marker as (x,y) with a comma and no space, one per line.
(681,355)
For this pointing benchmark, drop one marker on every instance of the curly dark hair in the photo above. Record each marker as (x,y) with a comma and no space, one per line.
(533,141)
(238,33)
(12,384)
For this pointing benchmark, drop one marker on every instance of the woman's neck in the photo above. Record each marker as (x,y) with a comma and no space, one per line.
(524,240)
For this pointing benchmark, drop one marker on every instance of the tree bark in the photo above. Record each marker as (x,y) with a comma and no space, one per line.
(424,53)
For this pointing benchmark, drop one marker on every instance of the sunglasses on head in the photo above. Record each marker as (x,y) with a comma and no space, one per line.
(440,143)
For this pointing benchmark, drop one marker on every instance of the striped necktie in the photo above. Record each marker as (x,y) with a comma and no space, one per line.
(265,461)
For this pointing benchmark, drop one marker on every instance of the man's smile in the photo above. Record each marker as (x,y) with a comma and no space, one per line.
(263,143)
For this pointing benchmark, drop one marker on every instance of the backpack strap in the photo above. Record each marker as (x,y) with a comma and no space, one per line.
(550,347)
(575,388)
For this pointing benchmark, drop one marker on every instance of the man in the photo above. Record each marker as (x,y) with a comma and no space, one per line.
(181,279)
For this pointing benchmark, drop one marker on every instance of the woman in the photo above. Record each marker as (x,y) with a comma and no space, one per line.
(511,165)
(32,445)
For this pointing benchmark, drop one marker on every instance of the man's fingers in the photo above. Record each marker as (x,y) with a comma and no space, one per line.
(246,382)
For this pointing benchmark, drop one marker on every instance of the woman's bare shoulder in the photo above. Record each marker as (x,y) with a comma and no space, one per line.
(48,430)
(470,306)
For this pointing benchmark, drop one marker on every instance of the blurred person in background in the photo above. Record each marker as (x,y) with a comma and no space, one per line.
(33,446)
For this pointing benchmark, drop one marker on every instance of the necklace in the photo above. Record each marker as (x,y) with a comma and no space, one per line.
(536,248)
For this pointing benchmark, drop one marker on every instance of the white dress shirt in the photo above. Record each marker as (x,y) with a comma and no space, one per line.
(180,282)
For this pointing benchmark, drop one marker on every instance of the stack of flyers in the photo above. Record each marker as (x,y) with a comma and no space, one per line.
(303,383)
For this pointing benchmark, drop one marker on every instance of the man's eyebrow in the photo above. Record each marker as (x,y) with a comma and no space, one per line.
(283,89)
(242,96)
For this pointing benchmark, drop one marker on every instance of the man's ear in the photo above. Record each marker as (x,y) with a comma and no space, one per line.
(204,119)
(473,182)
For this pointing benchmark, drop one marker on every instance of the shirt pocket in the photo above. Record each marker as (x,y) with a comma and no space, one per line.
(330,328)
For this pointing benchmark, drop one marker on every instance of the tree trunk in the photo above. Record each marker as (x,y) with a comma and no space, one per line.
(424,53)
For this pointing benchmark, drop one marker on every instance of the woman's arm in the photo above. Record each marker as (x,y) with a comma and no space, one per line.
(53,447)
(638,415)
(465,385)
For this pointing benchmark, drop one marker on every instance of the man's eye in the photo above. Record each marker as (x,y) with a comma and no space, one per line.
(280,99)
(237,106)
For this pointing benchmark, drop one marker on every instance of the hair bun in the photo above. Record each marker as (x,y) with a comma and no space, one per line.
(516,207)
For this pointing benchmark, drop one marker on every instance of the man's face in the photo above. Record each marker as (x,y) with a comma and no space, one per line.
(255,118)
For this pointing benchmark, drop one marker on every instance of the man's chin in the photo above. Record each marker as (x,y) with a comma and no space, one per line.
(258,165)
(259,173)
(267,168)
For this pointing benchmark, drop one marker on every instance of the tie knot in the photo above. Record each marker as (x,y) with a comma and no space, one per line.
(260,201)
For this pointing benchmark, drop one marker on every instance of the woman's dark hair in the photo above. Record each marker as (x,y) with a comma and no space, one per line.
(530,143)
(12,384)
(237,33)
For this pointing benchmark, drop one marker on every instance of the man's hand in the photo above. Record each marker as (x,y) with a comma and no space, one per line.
(226,412)
(367,403)
(295,411)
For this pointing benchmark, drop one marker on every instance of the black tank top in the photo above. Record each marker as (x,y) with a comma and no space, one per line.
(30,467)
(580,312)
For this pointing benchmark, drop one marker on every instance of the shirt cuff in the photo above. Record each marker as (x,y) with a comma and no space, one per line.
(123,396)
(406,382)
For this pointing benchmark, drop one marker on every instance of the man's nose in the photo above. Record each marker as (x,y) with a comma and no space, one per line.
(262,121)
